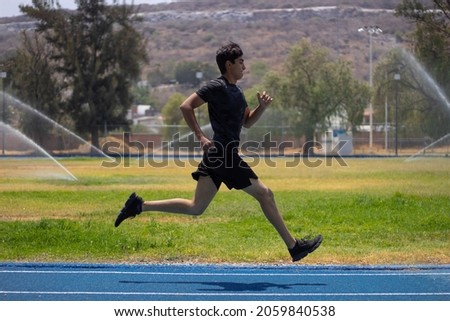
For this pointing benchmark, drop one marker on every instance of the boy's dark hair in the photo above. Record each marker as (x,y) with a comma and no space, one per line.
(229,52)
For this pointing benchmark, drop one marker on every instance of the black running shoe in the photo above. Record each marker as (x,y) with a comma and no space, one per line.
(132,207)
(303,247)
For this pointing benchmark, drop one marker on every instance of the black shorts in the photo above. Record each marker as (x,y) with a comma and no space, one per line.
(225,167)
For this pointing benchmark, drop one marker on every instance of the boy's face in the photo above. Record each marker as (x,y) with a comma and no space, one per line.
(237,68)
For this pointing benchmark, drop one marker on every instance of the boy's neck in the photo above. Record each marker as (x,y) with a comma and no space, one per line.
(229,79)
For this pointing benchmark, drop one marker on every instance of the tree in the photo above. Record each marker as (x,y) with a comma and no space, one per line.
(436,17)
(172,114)
(314,89)
(418,105)
(431,46)
(33,78)
(187,72)
(355,101)
(431,38)
(98,53)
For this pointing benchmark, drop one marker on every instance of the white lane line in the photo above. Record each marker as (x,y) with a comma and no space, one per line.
(202,294)
(229,274)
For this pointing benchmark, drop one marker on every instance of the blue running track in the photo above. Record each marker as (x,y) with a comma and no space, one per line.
(177,282)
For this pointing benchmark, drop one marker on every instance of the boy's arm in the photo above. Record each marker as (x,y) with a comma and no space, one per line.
(187,109)
(252,116)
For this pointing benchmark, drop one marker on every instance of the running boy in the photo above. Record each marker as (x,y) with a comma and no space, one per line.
(221,163)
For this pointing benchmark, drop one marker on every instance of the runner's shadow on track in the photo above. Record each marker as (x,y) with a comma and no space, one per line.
(234,286)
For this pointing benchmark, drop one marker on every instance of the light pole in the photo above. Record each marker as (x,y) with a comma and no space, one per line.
(370,30)
(397,78)
(3,75)
(386,132)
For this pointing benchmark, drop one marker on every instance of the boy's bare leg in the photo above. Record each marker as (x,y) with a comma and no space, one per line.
(266,199)
(204,193)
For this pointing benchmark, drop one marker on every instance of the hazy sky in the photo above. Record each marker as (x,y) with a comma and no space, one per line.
(10,8)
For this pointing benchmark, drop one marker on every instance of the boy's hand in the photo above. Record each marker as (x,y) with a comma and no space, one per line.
(264,99)
(206,143)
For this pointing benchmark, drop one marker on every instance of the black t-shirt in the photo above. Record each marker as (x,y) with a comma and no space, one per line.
(226,108)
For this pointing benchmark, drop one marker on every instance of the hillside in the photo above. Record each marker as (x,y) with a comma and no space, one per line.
(268,34)
(266,30)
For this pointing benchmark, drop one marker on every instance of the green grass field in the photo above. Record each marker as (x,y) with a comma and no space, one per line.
(372,211)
